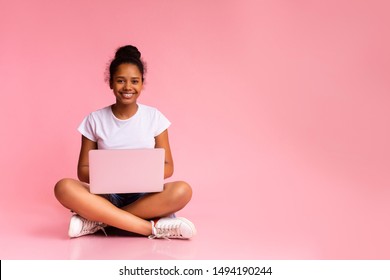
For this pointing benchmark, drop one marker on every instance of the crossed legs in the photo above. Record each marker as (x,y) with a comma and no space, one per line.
(75,195)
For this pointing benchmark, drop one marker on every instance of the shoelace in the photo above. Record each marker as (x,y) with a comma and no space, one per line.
(165,232)
(92,227)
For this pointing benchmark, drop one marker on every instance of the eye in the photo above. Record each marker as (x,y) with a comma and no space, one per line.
(120,81)
(134,82)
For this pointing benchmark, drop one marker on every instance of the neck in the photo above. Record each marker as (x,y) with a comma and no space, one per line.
(124,112)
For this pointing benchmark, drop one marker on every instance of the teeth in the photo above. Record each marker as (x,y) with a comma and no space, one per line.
(127,95)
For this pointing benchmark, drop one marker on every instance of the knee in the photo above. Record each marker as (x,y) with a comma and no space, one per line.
(61,189)
(182,193)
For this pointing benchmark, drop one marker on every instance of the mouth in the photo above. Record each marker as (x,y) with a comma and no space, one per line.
(127,95)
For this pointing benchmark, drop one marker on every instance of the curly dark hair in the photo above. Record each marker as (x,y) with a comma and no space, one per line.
(126,54)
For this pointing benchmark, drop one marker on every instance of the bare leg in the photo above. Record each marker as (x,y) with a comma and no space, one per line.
(173,198)
(75,195)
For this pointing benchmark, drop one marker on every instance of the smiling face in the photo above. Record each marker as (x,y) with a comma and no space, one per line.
(127,84)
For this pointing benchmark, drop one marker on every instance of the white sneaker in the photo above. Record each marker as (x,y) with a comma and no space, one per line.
(79,226)
(172,228)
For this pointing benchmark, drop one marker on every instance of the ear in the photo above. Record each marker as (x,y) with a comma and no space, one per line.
(111,86)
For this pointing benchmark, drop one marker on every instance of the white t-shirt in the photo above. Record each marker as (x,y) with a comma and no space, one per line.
(136,132)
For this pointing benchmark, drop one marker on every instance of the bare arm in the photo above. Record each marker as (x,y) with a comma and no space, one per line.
(83,166)
(162,141)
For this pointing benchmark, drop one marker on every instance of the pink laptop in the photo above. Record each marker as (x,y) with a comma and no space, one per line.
(126,171)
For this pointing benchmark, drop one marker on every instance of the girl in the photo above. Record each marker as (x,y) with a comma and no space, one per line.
(126,125)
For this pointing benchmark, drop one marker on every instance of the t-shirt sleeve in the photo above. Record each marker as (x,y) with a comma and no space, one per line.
(162,123)
(88,127)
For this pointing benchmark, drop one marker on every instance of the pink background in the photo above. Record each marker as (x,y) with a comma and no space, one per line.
(280,113)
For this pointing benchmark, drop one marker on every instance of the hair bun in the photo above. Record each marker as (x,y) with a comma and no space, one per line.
(128,51)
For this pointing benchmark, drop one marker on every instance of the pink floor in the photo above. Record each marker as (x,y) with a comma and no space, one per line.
(39,232)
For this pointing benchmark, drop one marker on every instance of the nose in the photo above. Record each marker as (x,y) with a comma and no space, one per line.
(127,85)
